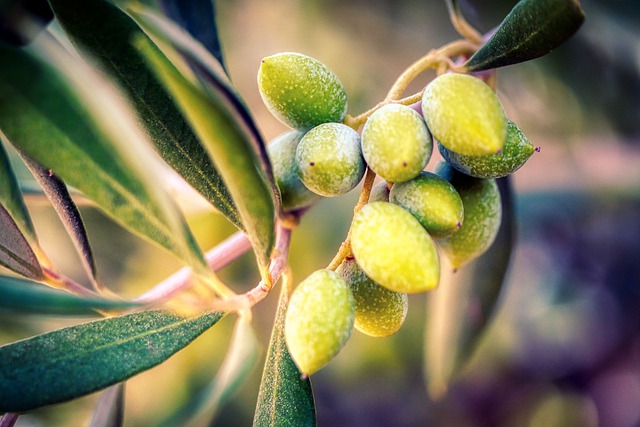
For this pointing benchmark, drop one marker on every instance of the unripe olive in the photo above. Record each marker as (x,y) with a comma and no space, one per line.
(396,143)
(516,151)
(380,312)
(329,159)
(282,153)
(319,320)
(393,249)
(433,201)
(464,114)
(379,192)
(482,216)
(301,91)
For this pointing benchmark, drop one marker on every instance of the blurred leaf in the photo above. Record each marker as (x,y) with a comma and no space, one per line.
(75,361)
(11,197)
(25,296)
(238,363)
(57,193)
(110,409)
(107,33)
(198,17)
(459,311)
(14,14)
(15,252)
(532,29)
(220,129)
(68,119)
(284,399)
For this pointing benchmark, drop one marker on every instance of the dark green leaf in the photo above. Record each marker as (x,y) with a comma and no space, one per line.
(532,29)
(458,312)
(15,252)
(25,296)
(68,119)
(110,409)
(11,198)
(57,193)
(75,361)
(217,125)
(106,33)
(198,17)
(284,399)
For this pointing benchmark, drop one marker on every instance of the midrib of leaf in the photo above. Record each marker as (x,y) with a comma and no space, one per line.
(161,123)
(20,261)
(141,207)
(78,354)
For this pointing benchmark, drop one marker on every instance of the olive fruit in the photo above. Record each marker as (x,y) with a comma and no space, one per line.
(282,153)
(301,91)
(319,320)
(379,192)
(433,201)
(482,216)
(393,249)
(329,159)
(464,114)
(379,311)
(516,151)
(396,143)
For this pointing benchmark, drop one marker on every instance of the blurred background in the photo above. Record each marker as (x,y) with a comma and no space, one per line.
(563,346)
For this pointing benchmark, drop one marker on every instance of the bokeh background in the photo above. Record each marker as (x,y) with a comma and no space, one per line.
(563,348)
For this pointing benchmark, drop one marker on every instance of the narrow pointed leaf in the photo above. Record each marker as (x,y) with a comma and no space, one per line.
(57,193)
(459,311)
(106,32)
(532,29)
(25,296)
(198,17)
(15,252)
(238,363)
(67,118)
(228,146)
(110,409)
(75,361)
(11,197)
(284,399)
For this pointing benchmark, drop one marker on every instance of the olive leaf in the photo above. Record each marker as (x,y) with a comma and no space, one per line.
(106,32)
(110,409)
(285,398)
(78,360)
(57,193)
(230,147)
(198,17)
(25,296)
(70,120)
(15,252)
(459,311)
(532,29)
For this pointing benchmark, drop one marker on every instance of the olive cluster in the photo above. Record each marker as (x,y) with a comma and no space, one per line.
(411,217)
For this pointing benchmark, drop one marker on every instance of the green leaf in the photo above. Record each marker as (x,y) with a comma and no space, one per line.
(238,363)
(15,252)
(57,193)
(69,119)
(198,17)
(532,29)
(11,197)
(216,123)
(459,311)
(75,361)
(110,409)
(285,398)
(103,30)
(25,296)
